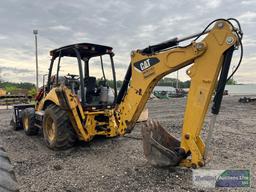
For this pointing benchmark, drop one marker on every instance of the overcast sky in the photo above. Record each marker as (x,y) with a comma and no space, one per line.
(123,24)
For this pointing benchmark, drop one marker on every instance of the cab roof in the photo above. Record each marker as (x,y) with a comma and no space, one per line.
(85,50)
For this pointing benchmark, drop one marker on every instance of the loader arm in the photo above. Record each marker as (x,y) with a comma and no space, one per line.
(148,67)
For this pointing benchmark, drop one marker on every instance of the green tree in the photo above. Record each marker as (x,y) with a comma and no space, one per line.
(32,92)
(231,82)
(172,82)
(12,87)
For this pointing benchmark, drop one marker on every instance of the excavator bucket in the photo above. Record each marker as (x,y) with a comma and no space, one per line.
(160,148)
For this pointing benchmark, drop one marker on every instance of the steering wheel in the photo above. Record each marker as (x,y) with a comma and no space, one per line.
(103,82)
(72,76)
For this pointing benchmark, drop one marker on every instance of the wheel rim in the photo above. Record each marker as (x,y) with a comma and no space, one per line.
(25,123)
(50,129)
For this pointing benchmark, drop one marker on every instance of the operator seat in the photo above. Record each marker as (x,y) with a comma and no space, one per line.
(91,88)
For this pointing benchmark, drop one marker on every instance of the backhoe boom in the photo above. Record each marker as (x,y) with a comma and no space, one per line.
(148,66)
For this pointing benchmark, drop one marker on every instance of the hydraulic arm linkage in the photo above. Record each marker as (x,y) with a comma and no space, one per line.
(209,59)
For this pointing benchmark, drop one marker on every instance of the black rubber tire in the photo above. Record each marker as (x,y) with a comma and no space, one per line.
(15,125)
(8,182)
(64,134)
(31,129)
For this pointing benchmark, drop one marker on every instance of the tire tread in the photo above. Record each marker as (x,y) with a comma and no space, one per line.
(8,182)
(66,136)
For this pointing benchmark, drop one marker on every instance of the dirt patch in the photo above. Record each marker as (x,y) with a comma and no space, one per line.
(118,164)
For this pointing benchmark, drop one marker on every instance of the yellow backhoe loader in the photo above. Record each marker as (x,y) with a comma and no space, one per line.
(78,106)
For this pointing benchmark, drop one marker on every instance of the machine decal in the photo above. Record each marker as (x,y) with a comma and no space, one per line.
(146,63)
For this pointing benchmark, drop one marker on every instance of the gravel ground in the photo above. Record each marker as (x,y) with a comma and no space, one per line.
(118,164)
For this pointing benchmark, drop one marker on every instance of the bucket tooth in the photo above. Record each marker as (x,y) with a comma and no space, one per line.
(160,148)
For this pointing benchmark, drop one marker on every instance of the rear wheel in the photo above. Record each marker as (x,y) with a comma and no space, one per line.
(57,128)
(28,121)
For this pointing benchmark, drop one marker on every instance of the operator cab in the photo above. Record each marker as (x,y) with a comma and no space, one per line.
(82,68)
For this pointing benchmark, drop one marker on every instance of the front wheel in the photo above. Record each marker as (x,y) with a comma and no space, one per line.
(57,128)
(28,121)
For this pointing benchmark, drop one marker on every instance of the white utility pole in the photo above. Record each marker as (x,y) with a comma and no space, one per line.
(35,32)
